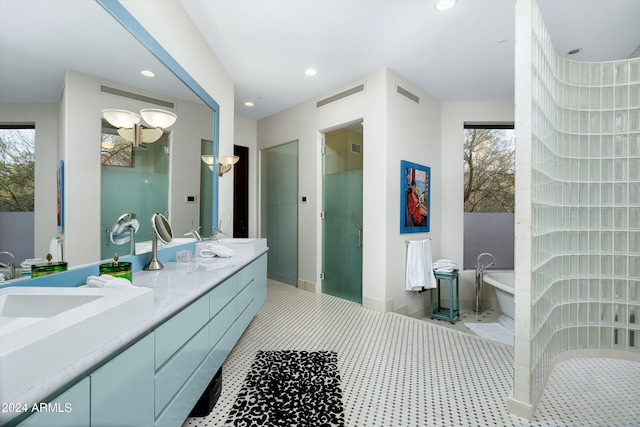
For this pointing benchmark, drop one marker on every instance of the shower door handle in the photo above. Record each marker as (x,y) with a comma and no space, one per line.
(359,237)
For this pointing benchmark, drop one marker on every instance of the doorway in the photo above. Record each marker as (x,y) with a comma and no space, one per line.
(342,231)
(279,211)
(241,192)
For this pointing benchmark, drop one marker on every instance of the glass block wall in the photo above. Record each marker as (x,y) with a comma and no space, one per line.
(585,218)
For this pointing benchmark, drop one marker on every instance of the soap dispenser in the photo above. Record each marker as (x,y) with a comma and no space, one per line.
(48,267)
(116,268)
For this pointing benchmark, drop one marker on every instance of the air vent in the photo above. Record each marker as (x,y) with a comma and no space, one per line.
(356,148)
(402,91)
(341,95)
(136,96)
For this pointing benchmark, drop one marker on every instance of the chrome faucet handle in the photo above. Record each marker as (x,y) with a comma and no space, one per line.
(194,232)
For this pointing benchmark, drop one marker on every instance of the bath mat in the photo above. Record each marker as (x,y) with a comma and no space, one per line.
(492,331)
(290,388)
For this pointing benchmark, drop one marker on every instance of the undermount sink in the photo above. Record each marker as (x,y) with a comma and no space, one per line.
(43,330)
(246,246)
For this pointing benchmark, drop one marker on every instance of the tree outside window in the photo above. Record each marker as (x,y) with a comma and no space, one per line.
(489,193)
(489,170)
(17,169)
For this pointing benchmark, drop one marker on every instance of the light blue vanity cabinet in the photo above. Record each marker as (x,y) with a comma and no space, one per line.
(70,409)
(122,389)
(181,377)
(158,380)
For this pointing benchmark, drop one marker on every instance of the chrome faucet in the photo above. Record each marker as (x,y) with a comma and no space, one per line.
(195,233)
(11,266)
(484,267)
(480,278)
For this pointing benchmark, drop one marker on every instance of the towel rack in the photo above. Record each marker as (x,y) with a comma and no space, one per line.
(406,242)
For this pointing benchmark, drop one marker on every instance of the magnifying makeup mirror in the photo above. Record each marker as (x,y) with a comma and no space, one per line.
(124,230)
(161,231)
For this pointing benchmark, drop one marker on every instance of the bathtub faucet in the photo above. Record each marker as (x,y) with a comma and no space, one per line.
(480,278)
(11,266)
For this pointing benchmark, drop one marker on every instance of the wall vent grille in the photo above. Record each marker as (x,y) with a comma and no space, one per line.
(402,91)
(137,97)
(356,148)
(341,95)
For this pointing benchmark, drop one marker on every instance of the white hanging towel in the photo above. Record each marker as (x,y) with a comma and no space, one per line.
(55,249)
(419,271)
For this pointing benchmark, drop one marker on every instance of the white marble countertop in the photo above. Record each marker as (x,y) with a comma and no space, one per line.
(174,288)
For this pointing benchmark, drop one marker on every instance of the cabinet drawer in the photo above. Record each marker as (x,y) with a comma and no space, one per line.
(222,294)
(180,406)
(244,298)
(246,275)
(73,411)
(172,334)
(221,323)
(121,390)
(174,373)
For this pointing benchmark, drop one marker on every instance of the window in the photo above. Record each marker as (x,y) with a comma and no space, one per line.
(17,168)
(489,193)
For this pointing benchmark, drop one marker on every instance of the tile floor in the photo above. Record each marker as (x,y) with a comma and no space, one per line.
(399,371)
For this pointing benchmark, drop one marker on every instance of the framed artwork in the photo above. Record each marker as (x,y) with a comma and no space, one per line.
(60,198)
(415,197)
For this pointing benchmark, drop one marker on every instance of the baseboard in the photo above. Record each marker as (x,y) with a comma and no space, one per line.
(521,409)
(309,286)
(377,305)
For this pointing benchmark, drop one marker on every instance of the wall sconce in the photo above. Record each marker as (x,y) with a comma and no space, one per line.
(225,165)
(129,127)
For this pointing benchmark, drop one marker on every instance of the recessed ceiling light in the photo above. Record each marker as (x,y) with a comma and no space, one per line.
(249,104)
(574,51)
(311,72)
(445,4)
(147,73)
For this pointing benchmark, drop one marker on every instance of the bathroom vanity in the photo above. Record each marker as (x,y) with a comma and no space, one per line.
(154,373)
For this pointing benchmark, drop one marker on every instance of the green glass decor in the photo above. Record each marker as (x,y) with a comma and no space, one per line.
(117,269)
(48,267)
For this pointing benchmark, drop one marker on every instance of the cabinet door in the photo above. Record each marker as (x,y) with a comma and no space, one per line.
(122,390)
(70,409)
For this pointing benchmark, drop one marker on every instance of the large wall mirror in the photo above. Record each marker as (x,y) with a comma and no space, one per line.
(63,62)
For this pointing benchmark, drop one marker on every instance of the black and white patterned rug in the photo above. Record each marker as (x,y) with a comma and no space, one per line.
(290,388)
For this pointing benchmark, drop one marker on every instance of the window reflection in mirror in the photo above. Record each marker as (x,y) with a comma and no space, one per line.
(17,185)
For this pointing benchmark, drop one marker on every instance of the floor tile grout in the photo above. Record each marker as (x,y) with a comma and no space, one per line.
(400,371)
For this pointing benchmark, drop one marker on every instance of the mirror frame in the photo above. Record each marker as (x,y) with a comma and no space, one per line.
(122,15)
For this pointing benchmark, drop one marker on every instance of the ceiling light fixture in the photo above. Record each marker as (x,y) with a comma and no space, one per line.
(129,127)
(224,165)
(249,104)
(445,4)
(574,51)
(311,72)
(148,73)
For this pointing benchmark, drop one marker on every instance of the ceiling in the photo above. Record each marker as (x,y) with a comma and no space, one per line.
(464,54)
(35,51)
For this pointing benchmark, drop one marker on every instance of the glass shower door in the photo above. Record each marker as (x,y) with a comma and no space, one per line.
(342,223)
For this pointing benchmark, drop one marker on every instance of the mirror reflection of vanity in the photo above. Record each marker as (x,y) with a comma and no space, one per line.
(66,110)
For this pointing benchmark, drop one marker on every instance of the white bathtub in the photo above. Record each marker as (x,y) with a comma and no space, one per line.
(504,282)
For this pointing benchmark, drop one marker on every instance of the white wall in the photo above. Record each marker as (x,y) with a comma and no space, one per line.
(454,115)
(45,118)
(413,134)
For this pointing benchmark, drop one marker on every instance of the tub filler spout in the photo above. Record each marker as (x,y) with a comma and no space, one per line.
(479,278)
